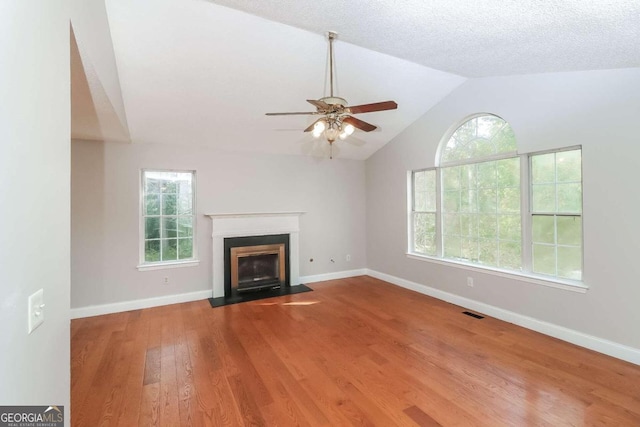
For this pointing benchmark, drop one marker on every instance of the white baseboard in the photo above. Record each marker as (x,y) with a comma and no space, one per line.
(610,348)
(97,310)
(333,276)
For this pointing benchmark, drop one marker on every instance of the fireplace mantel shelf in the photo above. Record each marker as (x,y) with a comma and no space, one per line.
(253,214)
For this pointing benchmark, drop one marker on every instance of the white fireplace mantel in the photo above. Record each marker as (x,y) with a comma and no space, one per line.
(253,224)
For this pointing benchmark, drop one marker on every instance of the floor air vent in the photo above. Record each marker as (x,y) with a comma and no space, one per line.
(477,316)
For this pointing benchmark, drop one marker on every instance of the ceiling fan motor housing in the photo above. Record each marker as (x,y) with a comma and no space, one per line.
(334,100)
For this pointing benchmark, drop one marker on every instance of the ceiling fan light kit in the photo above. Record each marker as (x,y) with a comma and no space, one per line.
(337,121)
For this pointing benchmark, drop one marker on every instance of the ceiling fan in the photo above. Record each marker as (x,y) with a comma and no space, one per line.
(337,120)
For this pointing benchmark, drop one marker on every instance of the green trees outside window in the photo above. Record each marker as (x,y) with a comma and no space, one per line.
(489,206)
(168,215)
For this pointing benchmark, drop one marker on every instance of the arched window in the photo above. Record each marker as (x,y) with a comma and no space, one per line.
(489,206)
(478,138)
(481,194)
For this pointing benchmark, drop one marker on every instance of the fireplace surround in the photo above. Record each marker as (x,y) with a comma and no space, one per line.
(226,225)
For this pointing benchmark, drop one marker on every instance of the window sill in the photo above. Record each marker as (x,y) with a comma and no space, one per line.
(166,265)
(567,285)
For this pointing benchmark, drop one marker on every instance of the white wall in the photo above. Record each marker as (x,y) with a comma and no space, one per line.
(97,105)
(34,200)
(105,213)
(599,110)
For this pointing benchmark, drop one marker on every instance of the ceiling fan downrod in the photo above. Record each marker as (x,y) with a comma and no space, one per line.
(331,35)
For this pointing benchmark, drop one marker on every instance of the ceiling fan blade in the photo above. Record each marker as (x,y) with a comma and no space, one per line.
(367,127)
(369,108)
(292,114)
(318,104)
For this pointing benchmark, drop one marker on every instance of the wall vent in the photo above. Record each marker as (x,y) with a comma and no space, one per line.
(477,316)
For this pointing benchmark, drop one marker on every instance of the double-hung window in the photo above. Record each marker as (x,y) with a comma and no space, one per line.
(486,205)
(556,213)
(168,217)
(424,211)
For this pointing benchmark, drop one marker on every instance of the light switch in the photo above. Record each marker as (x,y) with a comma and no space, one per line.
(36,309)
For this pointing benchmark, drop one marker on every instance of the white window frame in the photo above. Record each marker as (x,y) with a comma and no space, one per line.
(526,214)
(531,214)
(413,211)
(159,265)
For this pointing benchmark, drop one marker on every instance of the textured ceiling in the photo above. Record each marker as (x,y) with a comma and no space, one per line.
(475,38)
(204,72)
(196,73)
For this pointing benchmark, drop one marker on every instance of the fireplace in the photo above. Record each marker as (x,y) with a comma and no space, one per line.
(229,225)
(255,263)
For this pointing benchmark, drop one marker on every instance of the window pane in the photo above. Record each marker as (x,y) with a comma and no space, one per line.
(488,226)
(543,229)
(184,184)
(152,204)
(508,172)
(185,204)
(509,200)
(424,191)
(544,198)
(569,230)
(451,178)
(185,226)
(451,246)
(505,140)
(152,250)
(169,187)
(424,241)
(469,201)
(469,249)
(451,225)
(570,262)
(488,252)
(420,182)
(487,200)
(544,259)
(509,227)
(570,198)
(468,176)
(169,204)
(569,166)
(169,228)
(152,185)
(169,249)
(487,175)
(185,248)
(451,201)
(469,225)
(478,138)
(152,228)
(420,201)
(543,168)
(510,255)
(165,195)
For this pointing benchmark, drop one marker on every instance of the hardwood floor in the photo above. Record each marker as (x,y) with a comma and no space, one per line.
(357,351)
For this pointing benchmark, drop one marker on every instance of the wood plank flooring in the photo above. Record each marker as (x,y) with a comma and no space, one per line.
(356,351)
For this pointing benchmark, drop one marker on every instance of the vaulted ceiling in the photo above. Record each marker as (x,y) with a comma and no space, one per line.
(197,72)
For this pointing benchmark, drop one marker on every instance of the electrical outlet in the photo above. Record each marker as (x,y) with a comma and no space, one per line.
(470,282)
(166,280)
(36,310)
(348,257)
